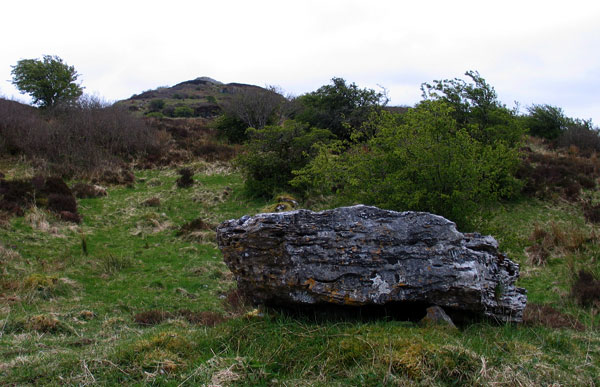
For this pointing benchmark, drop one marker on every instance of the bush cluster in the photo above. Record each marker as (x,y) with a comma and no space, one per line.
(183,111)
(455,150)
(549,122)
(274,152)
(423,160)
(250,107)
(80,138)
(580,136)
(546,121)
(339,107)
(475,107)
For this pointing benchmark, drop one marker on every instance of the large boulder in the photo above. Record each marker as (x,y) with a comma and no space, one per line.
(364,255)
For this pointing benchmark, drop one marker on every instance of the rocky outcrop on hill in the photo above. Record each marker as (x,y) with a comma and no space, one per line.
(364,255)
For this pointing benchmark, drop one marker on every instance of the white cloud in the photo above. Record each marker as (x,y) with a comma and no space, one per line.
(531,51)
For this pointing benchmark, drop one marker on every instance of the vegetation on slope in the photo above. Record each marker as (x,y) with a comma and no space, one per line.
(138,293)
(135,294)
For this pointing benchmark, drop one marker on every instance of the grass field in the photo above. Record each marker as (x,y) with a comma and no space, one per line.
(131,296)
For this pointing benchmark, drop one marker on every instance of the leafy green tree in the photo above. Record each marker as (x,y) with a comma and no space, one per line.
(274,152)
(546,121)
(476,107)
(49,81)
(339,107)
(424,161)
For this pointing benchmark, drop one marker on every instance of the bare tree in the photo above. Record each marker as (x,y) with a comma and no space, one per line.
(255,106)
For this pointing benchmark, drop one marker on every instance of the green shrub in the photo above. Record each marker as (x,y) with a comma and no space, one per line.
(274,152)
(231,128)
(156,105)
(183,111)
(546,121)
(169,111)
(424,161)
(475,106)
(155,115)
(339,107)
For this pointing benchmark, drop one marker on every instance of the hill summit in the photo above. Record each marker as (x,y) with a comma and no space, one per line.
(199,97)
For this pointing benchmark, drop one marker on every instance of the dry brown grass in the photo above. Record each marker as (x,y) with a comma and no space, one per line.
(551,173)
(556,239)
(586,289)
(545,315)
(195,225)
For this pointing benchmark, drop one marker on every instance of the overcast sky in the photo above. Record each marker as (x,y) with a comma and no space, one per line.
(530,51)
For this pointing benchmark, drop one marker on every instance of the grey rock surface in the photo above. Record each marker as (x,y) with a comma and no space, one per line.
(364,255)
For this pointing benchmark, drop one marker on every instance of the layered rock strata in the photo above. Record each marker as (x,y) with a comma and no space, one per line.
(364,255)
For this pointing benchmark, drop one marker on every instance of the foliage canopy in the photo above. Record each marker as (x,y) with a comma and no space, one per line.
(49,81)
(424,160)
(274,152)
(339,107)
(476,107)
(546,121)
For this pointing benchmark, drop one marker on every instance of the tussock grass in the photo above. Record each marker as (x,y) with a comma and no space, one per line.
(153,303)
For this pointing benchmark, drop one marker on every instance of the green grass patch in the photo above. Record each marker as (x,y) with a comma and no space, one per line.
(127,297)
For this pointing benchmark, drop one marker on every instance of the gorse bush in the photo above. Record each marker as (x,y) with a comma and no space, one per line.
(422,161)
(274,152)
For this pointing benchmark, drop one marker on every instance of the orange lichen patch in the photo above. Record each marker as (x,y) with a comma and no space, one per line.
(334,296)
(310,282)
(351,301)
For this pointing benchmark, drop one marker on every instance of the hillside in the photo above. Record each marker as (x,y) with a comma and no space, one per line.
(204,96)
(110,273)
(138,293)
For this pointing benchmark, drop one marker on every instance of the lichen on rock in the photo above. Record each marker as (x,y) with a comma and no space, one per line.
(364,255)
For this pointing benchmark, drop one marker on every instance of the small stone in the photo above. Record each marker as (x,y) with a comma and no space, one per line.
(436,316)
